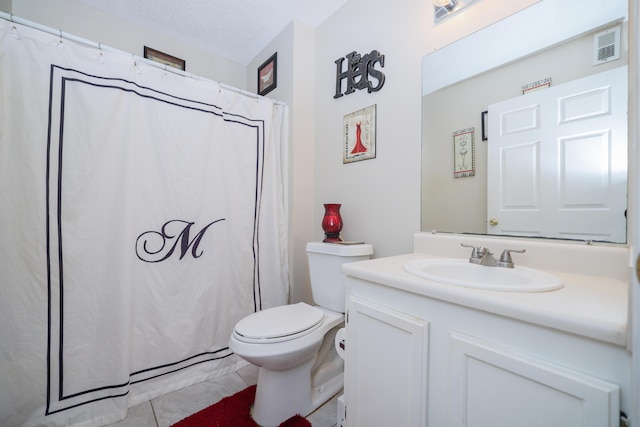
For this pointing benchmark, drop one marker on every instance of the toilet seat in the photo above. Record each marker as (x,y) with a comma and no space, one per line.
(279,324)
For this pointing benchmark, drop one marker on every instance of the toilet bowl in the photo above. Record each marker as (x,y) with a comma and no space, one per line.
(286,377)
(294,344)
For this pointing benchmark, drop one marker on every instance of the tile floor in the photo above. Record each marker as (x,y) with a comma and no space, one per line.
(170,408)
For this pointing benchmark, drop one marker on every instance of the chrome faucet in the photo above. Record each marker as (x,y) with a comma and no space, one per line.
(482,256)
(488,259)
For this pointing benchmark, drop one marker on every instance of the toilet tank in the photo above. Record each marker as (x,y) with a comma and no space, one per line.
(325,262)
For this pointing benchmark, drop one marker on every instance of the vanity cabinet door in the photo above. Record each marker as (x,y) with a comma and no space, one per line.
(497,387)
(385,366)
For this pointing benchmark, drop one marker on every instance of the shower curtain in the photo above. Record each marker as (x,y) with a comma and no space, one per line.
(141,217)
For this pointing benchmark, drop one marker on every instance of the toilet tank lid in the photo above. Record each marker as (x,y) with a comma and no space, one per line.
(341,249)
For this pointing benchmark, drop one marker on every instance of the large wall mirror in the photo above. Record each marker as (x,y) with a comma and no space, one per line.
(524,126)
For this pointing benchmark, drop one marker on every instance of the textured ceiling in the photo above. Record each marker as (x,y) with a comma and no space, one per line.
(234,29)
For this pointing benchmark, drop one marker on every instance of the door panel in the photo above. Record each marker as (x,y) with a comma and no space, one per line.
(498,387)
(557,161)
(385,366)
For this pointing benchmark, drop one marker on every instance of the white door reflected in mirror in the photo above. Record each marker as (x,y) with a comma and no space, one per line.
(557,161)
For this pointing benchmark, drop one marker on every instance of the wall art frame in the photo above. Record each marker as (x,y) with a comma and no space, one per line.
(164,58)
(484,117)
(268,75)
(464,153)
(359,135)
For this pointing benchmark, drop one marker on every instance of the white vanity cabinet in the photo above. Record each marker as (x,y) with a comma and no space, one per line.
(496,386)
(417,360)
(387,357)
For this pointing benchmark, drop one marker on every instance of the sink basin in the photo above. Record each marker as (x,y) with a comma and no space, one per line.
(460,272)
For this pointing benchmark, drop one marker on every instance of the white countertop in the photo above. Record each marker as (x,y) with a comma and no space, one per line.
(591,306)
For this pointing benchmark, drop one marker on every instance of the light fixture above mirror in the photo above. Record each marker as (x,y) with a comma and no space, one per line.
(445,8)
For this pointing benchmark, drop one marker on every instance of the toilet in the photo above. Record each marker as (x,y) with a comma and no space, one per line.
(293,345)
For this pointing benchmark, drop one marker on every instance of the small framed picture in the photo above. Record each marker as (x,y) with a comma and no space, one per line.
(163,58)
(268,75)
(464,153)
(360,135)
(485,125)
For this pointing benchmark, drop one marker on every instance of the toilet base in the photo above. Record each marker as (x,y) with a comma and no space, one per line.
(280,397)
(282,394)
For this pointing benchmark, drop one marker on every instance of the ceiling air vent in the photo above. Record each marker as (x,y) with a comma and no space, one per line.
(606,45)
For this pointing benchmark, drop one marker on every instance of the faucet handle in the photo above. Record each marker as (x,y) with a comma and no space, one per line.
(505,258)
(474,252)
(477,253)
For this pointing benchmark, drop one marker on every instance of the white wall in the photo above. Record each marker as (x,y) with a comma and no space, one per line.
(301,160)
(6,5)
(634,206)
(380,197)
(75,17)
(295,87)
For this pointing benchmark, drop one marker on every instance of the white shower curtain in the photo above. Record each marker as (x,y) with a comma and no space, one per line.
(141,217)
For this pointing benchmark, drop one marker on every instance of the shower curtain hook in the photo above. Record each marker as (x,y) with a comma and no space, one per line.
(14,32)
(60,43)
(135,67)
(101,55)
(14,29)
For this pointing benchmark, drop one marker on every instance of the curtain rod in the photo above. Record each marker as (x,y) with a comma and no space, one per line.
(81,41)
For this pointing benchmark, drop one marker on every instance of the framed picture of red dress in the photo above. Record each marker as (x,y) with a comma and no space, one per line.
(359,132)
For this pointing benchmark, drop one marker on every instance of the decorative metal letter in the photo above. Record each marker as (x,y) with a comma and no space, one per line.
(359,69)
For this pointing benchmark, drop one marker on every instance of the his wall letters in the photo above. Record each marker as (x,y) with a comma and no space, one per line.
(358,73)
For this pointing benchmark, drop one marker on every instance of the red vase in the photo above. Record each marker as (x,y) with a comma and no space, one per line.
(332,223)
